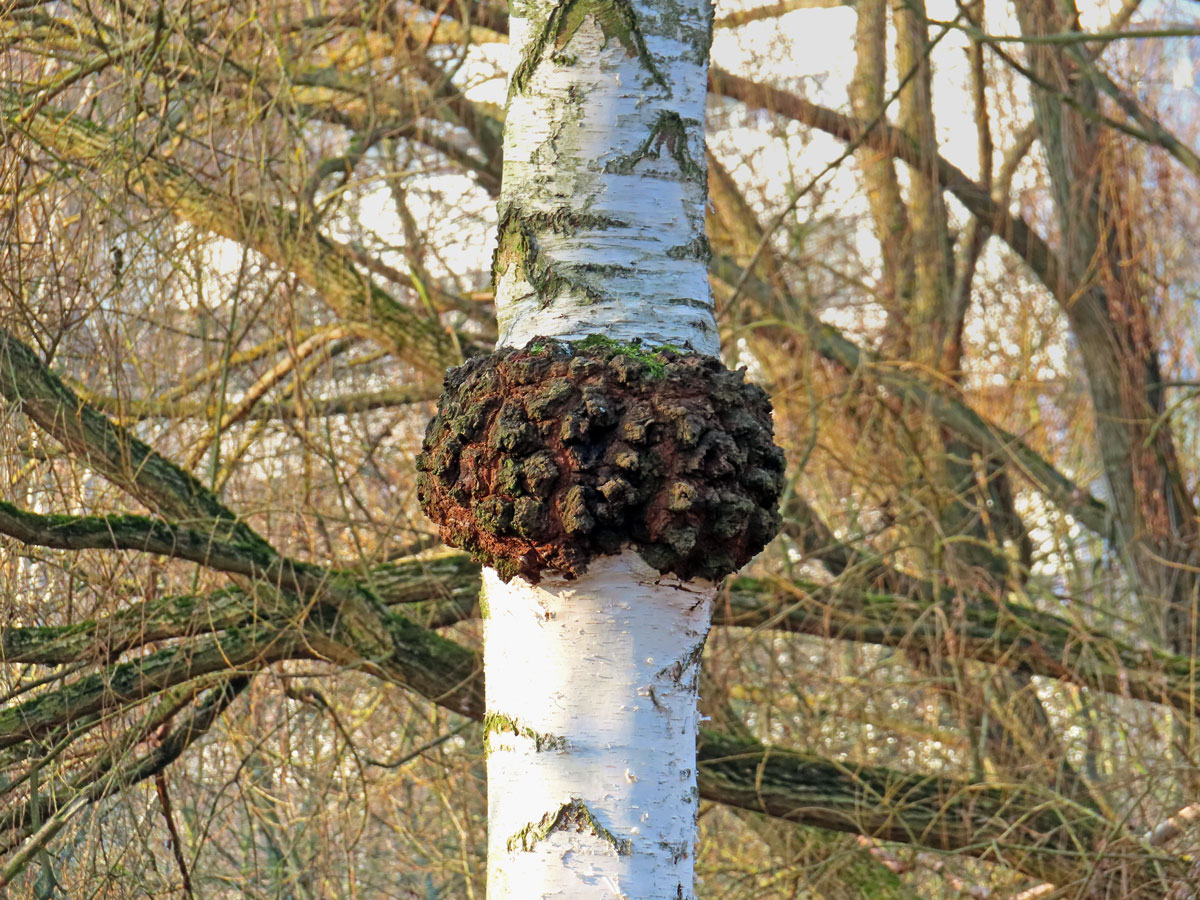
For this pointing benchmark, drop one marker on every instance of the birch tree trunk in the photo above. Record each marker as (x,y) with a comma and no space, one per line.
(592,645)
(602,205)
(591,683)
(591,733)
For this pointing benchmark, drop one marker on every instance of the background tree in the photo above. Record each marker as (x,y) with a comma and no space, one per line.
(243,241)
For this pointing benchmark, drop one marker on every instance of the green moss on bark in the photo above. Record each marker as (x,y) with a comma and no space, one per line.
(653,358)
(498,723)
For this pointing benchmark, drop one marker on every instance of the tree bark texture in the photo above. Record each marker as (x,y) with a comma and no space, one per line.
(591,698)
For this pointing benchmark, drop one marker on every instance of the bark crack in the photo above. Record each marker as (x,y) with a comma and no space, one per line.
(574,814)
(676,670)
(669,130)
(616,18)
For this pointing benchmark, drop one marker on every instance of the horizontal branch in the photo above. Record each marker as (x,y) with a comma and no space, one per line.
(345,621)
(242,650)
(436,591)
(101,640)
(1009,635)
(1021,826)
(146,535)
(447,575)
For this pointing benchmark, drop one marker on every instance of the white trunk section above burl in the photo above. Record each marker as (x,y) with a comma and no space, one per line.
(602,210)
(591,733)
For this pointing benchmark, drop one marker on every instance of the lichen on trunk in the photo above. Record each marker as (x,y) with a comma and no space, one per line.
(603,174)
(602,463)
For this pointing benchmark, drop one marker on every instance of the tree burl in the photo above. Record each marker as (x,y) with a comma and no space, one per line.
(545,457)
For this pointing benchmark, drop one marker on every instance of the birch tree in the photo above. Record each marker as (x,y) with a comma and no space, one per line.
(602,463)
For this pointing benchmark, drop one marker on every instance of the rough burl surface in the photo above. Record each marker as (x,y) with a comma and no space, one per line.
(546,457)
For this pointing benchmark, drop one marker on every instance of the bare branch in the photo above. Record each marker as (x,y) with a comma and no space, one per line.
(278,234)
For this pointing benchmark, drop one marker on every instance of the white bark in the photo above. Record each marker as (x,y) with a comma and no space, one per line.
(591,683)
(604,166)
(591,733)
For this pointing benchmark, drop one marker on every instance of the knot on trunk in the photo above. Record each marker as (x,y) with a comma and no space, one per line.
(545,457)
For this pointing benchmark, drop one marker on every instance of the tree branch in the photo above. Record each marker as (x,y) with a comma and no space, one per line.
(1013,230)
(1010,635)
(1015,825)
(104,778)
(278,234)
(164,619)
(123,459)
(245,649)
(129,532)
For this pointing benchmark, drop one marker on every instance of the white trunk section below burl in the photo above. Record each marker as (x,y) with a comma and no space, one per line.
(591,733)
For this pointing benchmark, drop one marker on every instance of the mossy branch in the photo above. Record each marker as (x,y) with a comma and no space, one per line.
(1026,827)
(146,535)
(166,618)
(122,458)
(130,682)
